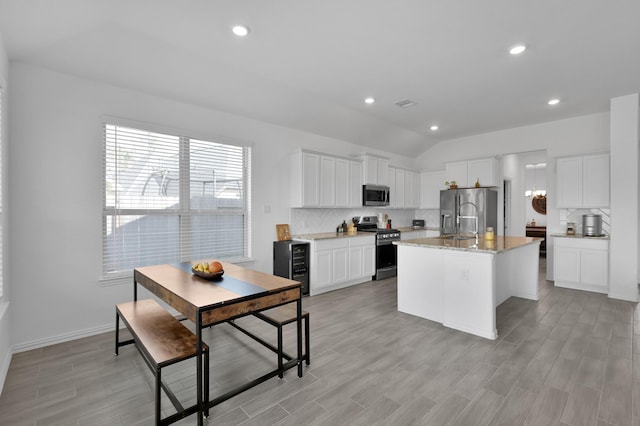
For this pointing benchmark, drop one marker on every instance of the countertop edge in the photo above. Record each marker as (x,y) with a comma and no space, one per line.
(580,236)
(428,244)
(412,229)
(330,235)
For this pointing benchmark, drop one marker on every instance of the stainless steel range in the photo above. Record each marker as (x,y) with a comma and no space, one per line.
(386,251)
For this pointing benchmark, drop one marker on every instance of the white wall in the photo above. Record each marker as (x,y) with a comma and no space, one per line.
(55,183)
(623,247)
(5,329)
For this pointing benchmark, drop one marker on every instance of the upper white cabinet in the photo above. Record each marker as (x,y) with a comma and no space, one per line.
(342,182)
(583,181)
(431,183)
(322,180)
(411,189)
(467,173)
(404,188)
(305,179)
(376,170)
(355,183)
(456,172)
(327,181)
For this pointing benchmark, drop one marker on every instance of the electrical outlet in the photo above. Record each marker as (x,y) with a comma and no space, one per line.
(464,275)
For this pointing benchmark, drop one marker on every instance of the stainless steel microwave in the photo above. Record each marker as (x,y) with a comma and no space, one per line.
(375,195)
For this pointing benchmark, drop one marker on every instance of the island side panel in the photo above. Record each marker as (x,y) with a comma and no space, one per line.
(421,282)
(469,295)
(518,273)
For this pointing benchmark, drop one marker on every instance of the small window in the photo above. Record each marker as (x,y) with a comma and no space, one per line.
(171,198)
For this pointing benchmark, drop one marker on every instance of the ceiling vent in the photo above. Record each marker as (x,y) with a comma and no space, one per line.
(405,103)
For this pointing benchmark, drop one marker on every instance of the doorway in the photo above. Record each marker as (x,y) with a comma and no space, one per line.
(506,206)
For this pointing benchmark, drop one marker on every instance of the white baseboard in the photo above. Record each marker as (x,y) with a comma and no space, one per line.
(4,369)
(61,338)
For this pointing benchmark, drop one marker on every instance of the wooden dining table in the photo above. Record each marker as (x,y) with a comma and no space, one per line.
(238,293)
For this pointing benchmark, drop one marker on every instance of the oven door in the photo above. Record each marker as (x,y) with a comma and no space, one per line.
(386,260)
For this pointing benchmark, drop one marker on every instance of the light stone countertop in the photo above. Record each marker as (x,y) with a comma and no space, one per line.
(329,235)
(500,244)
(410,229)
(603,237)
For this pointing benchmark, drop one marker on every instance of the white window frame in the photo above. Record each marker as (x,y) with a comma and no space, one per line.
(183,212)
(2,142)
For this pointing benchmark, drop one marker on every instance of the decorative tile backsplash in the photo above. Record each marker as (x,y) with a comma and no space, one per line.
(575,216)
(310,221)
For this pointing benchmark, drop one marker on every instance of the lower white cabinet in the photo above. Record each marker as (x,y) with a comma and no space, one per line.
(340,262)
(581,264)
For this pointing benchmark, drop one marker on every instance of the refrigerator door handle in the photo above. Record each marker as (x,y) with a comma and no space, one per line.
(445,218)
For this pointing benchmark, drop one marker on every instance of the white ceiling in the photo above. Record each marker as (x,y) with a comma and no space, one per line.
(309,64)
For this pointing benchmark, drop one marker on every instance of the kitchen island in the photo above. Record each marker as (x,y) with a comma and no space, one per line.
(459,283)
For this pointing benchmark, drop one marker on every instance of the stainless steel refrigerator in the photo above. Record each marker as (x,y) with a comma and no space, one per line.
(468,211)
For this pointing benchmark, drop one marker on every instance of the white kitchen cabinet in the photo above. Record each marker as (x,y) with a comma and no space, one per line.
(466,173)
(355,183)
(322,268)
(595,179)
(411,189)
(342,186)
(323,180)
(369,256)
(392,188)
(305,179)
(431,183)
(399,190)
(583,181)
(327,181)
(484,170)
(404,187)
(456,172)
(376,170)
(581,264)
(340,262)
(569,181)
(362,260)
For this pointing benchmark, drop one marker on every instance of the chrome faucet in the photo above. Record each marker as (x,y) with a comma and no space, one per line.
(475,232)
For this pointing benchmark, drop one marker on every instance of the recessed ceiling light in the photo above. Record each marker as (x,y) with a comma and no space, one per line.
(554,102)
(516,50)
(240,30)
(434,128)
(369,100)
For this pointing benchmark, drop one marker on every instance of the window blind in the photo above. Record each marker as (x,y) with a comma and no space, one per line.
(1,197)
(170,198)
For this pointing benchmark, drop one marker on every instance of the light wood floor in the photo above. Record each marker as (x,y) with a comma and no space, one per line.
(568,359)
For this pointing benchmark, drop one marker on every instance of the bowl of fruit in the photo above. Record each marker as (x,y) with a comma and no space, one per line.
(208,270)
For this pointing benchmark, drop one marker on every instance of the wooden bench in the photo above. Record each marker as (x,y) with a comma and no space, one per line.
(162,340)
(279,317)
